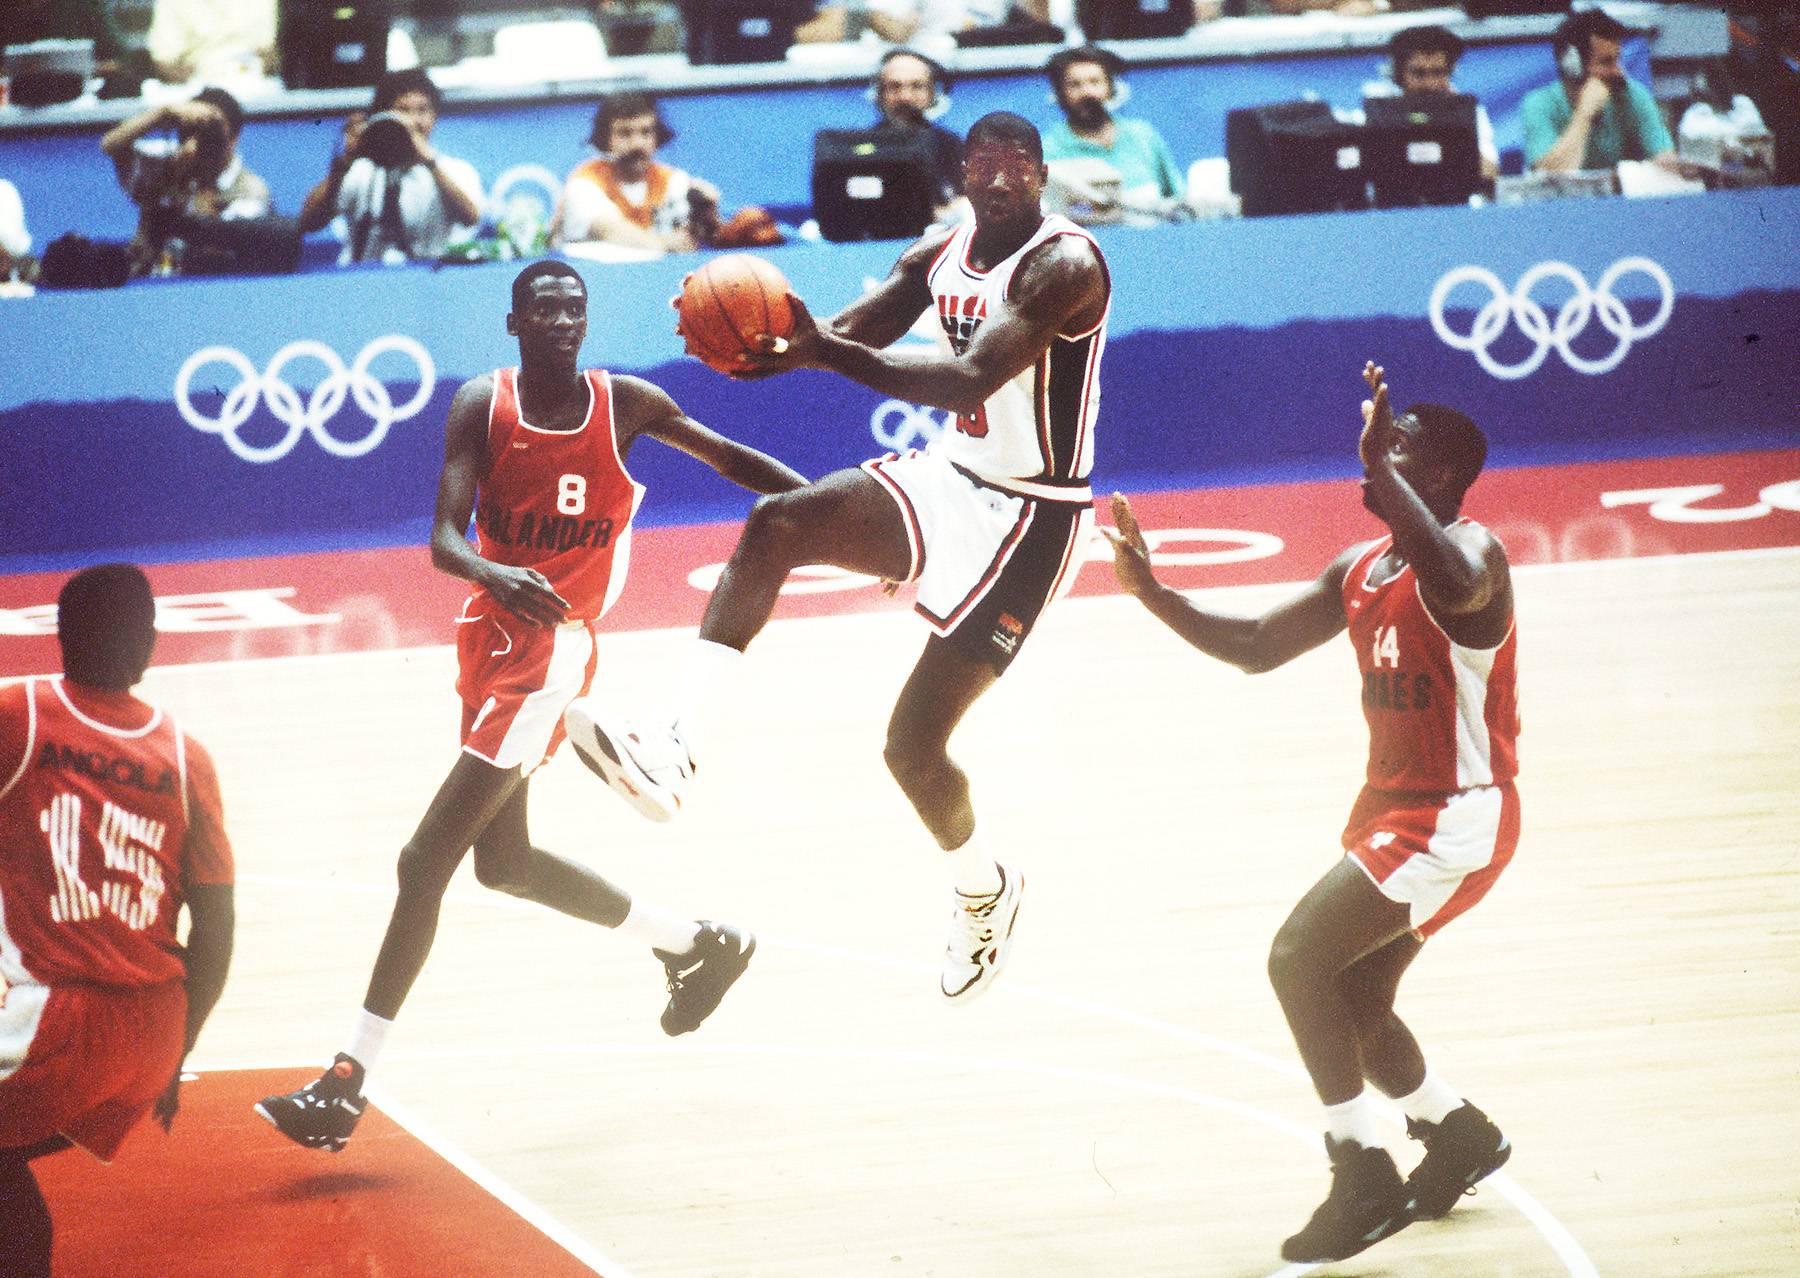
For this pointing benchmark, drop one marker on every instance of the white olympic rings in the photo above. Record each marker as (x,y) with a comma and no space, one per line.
(371,395)
(1571,318)
(916,427)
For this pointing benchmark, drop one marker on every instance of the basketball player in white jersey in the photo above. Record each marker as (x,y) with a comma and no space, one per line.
(989,521)
(1430,610)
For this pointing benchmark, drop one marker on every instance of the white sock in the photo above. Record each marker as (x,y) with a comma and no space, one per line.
(974,872)
(707,666)
(658,930)
(367,1040)
(1354,1120)
(1431,1102)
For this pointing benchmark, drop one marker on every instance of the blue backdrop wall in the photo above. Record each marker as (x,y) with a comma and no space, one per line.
(193,418)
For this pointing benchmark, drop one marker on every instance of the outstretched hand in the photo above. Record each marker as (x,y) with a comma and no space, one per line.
(1378,433)
(1131,553)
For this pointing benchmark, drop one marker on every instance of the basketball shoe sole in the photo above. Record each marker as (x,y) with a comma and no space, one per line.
(608,752)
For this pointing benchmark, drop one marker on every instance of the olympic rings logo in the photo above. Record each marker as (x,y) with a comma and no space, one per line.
(915,427)
(317,408)
(1571,318)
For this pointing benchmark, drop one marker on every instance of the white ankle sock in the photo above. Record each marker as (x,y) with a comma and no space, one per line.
(367,1039)
(973,871)
(1433,1100)
(707,666)
(657,929)
(1354,1120)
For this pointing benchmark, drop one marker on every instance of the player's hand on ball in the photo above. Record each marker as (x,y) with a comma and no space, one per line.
(1131,553)
(797,349)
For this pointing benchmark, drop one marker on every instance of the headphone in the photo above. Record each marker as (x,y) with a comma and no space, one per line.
(1106,59)
(940,81)
(1570,62)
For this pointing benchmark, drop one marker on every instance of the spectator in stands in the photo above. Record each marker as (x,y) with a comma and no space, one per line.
(909,90)
(934,24)
(212,40)
(198,172)
(405,203)
(1422,61)
(122,67)
(1086,83)
(625,195)
(1594,115)
(15,240)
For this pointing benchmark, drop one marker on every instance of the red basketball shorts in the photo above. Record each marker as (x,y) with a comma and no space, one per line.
(515,680)
(94,1060)
(1437,854)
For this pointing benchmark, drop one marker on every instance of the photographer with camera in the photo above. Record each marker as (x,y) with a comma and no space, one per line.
(196,175)
(399,198)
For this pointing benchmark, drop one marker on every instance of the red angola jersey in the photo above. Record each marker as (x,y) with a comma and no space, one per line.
(559,501)
(1442,717)
(107,812)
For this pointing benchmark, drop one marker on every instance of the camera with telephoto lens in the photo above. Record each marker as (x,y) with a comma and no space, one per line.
(387,142)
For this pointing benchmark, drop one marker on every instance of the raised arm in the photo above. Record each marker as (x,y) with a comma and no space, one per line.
(640,408)
(1059,284)
(525,592)
(1252,644)
(1461,568)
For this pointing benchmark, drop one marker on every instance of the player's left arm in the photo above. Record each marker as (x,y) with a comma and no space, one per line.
(207,874)
(641,408)
(1061,284)
(1462,569)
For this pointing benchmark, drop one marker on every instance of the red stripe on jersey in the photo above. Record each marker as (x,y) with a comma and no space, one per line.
(558,501)
(1442,717)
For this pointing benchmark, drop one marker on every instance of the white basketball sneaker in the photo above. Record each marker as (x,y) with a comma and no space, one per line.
(650,768)
(981,930)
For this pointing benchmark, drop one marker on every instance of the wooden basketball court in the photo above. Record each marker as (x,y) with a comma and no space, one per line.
(1127,1101)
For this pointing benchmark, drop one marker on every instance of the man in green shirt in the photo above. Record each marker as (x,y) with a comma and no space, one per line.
(1086,83)
(1594,115)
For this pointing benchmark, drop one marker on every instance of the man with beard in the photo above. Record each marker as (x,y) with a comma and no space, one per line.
(625,195)
(1085,81)
(908,87)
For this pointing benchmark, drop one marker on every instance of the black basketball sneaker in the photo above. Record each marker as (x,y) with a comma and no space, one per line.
(1367,1203)
(322,1114)
(699,978)
(1463,1149)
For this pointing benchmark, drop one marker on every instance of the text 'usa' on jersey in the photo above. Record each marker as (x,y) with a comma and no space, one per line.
(558,501)
(1039,425)
(1442,717)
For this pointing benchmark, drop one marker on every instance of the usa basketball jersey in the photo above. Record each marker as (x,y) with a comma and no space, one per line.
(1038,427)
(1442,717)
(559,501)
(104,824)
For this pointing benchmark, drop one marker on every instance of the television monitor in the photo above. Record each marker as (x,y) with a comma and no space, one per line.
(1134,19)
(333,44)
(734,31)
(871,184)
(1294,157)
(1422,149)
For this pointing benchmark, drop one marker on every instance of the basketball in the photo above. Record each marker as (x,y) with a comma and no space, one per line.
(727,303)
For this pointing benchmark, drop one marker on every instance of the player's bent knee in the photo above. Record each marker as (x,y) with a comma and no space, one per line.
(424,870)
(1290,966)
(500,874)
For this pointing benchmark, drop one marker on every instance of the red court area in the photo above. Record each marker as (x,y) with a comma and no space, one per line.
(366,600)
(248,1202)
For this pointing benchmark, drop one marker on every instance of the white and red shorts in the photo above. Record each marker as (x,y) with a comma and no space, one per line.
(987,560)
(515,680)
(1436,854)
(85,1061)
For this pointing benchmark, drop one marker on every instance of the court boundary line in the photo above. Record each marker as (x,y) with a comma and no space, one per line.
(1555,1234)
(225,663)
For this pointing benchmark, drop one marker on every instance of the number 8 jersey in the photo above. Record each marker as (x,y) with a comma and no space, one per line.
(107,812)
(559,501)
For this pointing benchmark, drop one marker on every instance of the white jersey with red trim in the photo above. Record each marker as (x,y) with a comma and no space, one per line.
(1442,717)
(1038,427)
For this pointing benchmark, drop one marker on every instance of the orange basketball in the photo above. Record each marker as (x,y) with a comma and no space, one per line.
(726,304)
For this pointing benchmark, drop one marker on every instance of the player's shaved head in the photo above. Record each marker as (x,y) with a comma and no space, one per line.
(106,624)
(543,268)
(1448,438)
(1008,129)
